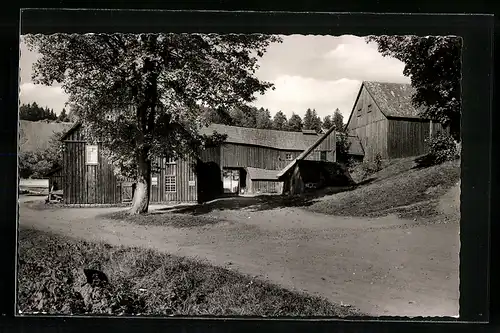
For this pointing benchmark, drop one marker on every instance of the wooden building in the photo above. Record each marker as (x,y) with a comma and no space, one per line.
(386,122)
(305,174)
(247,162)
(251,158)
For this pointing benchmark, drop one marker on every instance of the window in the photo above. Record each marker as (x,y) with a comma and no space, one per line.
(323,156)
(91,154)
(288,156)
(170,184)
(170,177)
(171,160)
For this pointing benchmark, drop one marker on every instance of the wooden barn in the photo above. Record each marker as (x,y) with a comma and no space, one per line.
(386,122)
(250,158)
(246,163)
(306,173)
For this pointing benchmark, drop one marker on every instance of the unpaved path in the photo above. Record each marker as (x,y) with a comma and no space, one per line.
(381,266)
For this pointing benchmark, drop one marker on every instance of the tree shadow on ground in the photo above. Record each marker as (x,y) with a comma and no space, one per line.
(366,181)
(255,203)
(424,161)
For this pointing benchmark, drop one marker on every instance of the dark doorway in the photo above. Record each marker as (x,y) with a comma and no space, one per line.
(209,181)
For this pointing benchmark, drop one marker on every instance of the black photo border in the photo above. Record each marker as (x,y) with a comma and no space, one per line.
(477,87)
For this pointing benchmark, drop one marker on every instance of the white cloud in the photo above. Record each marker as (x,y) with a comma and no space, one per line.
(320,72)
(52,97)
(356,58)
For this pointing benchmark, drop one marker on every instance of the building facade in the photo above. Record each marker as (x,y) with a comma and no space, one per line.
(246,163)
(386,122)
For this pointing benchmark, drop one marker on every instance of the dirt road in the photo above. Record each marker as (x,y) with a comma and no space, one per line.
(381,266)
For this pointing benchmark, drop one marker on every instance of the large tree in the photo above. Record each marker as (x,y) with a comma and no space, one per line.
(142,95)
(338,120)
(280,122)
(327,122)
(263,119)
(312,121)
(295,123)
(308,120)
(433,64)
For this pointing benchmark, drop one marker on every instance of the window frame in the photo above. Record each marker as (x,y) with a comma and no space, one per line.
(288,157)
(170,184)
(323,153)
(87,150)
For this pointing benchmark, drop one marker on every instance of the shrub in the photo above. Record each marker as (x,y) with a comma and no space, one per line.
(370,167)
(442,148)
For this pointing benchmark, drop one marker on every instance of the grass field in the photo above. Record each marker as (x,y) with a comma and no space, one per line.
(145,282)
(398,188)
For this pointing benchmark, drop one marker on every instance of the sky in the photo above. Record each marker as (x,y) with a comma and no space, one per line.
(317,72)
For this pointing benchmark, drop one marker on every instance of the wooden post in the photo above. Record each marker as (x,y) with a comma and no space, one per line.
(430,129)
(334,146)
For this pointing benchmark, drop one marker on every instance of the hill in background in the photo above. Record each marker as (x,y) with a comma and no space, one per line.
(36,135)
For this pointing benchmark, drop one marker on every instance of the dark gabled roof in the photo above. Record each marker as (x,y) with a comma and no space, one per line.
(262,174)
(75,126)
(393,99)
(283,140)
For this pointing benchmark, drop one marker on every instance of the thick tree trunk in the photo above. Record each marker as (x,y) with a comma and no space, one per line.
(140,202)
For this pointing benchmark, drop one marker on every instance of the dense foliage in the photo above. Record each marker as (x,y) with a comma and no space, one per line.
(442,148)
(253,117)
(35,164)
(433,64)
(338,120)
(370,167)
(311,121)
(33,112)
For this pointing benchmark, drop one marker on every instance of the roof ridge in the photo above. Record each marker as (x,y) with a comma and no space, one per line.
(386,82)
(254,128)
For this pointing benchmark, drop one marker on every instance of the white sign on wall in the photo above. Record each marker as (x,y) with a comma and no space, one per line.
(192,183)
(154,181)
(91,154)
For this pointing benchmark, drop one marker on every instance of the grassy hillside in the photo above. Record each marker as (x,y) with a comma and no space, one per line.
(145,282)
(36,135)
(398,188)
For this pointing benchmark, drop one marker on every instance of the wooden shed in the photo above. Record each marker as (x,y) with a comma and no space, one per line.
(261,181)
(56,179)
(386,122)
(308,174)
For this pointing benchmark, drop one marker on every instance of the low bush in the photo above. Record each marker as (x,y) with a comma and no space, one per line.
(370,167)
(442,147)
